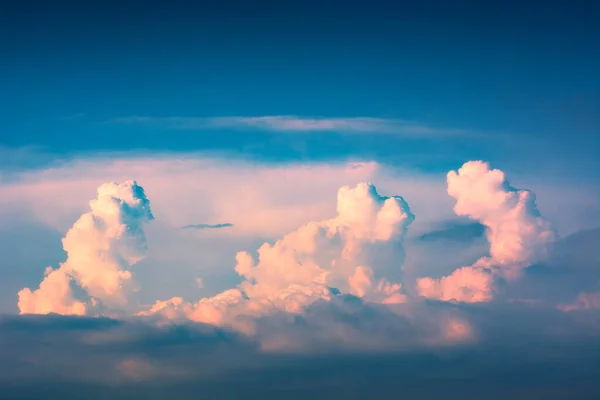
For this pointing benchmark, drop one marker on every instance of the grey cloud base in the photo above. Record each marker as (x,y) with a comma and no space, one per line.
(521,354)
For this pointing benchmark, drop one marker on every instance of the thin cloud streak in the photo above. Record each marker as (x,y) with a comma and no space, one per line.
(293,123)
(207,226)
(456,232)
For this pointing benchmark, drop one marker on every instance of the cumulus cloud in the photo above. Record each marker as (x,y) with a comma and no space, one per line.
(101,247)
(338,252)
(517,233)
(470,284)
(332,285)
(338,276)
(186,189)
(358,252)
(53,296)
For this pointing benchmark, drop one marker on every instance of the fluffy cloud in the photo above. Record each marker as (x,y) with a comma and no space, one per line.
(101,246)
(53,296)
(331,285)
(264,201)
(516,231)
(471,284)
(339,276)
(355,252)
(343,252)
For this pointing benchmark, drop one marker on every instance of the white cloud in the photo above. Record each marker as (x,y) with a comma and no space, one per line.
(330,252)
(331,283)
(264,202)
(53,296)
(101,246)
(516,231)
(308,274)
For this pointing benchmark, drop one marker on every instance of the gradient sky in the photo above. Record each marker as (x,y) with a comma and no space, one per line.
(525,72)
(242,120)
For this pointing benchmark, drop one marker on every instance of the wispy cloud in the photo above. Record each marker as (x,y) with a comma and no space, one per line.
(293,123)
(207,226)
(455,231)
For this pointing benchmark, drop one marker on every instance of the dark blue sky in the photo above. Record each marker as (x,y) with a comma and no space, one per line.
(526,71)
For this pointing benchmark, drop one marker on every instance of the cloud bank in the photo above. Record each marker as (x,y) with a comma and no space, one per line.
(334,282)
(520,354)
(326,297)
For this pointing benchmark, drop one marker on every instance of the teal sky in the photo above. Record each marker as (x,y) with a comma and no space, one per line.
(522,86)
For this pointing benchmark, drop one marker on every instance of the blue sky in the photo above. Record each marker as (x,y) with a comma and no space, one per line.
(313,218)
(528,76)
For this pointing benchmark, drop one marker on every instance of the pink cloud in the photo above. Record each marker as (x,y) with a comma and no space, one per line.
(101,246)
(516,231)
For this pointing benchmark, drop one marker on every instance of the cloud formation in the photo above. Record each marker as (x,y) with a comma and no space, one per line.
(294,123)
(101,246)
(354,253)
(516,231)
(329,294)
(454,232)
(334,282)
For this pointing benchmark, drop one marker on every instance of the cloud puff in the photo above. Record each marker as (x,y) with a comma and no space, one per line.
(343,252)
(516,231)
(340,276)
(355,252)
(330,286)
(193,187)
(101,246)
(277,199)
(53,296)
(471,284)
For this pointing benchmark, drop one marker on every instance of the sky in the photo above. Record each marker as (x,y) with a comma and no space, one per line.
(293,199)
